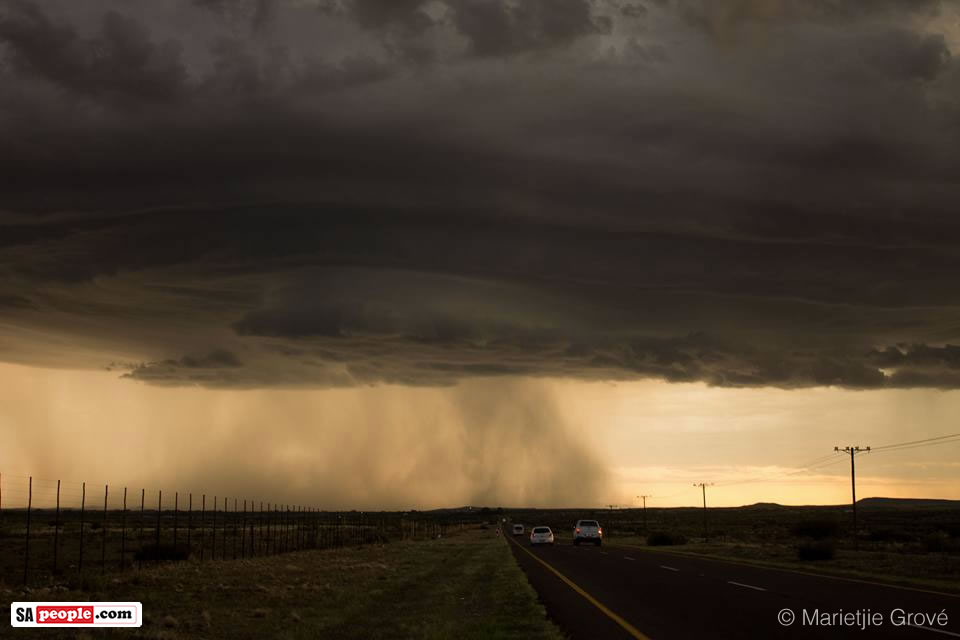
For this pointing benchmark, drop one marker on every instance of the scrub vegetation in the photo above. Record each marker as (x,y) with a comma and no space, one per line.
(464,585)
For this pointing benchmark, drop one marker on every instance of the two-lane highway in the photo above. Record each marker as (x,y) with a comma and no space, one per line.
(624,592)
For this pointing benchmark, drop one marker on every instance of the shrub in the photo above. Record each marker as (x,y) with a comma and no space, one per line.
(816,550)
(817,529)
(663,539)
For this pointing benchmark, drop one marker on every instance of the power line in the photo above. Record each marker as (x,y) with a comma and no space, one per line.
(917,442)
(904,447)
(829,462)
(817,463)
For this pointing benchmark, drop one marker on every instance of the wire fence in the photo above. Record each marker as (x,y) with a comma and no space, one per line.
(52,529)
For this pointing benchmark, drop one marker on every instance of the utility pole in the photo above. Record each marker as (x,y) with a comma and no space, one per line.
(644,498)
(853,451)
(704,485)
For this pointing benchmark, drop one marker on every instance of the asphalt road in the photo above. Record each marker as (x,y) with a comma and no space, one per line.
(664,596)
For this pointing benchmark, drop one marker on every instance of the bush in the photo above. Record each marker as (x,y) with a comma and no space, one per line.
(664,539)
(816,529)
(817,550)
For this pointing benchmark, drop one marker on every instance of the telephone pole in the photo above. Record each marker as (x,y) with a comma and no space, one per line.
(853,451)
(703,486)
(644,498)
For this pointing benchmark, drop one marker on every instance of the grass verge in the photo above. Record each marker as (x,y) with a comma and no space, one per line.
(466,586)
(927,573)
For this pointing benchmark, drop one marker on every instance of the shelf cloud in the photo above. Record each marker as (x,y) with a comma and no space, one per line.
(304,193)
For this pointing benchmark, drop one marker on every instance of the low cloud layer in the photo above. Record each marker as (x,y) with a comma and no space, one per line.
(250,193)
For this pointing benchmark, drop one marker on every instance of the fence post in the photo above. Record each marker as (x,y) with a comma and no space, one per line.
(203,522)
(226,523)
(156,548)
(223,532)
(103,529)
(123,533)
(189,522)
(213,544)
(243,532)
(260,524)
(143,495)
(234,528)
(26,551)
(83,504)
(56,531)
(176,500)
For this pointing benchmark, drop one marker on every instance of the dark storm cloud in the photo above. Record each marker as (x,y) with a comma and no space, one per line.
(498,28)
(120,61)
(245,193)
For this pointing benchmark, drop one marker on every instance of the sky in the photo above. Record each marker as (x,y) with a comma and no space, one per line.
(553,252)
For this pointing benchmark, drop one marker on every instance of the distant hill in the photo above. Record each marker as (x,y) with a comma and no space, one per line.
(907,503)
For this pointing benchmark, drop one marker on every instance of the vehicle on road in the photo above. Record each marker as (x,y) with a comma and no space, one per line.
(541,535)
(588,531)
(518,529)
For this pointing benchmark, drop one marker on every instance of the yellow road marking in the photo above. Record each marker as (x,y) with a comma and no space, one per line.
(758,565)
(629,628)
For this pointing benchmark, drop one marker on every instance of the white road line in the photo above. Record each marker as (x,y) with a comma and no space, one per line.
(946,633)
(628,558)
(604,553)
(746,586)
(663,566)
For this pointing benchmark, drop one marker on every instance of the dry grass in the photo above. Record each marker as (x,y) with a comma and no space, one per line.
(940,572)
(466,586)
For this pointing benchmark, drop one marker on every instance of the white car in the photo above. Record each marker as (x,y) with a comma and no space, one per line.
(588,531)
(541,535)
(518,529)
